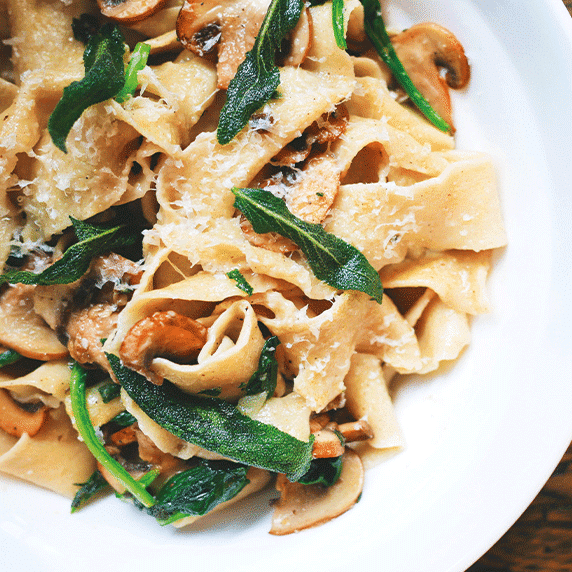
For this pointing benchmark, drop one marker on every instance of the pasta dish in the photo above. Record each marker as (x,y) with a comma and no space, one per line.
(228,228)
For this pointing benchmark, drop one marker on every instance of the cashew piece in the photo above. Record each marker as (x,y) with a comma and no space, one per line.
(424,49)
(165,334)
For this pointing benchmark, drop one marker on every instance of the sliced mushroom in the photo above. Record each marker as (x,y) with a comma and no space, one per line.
(165,334)
(129,11)
(86,328)
(15,420)
(232,26)
(327,444)
(313,196)
(426,49)
(327,129)
(304,506)
(269,240)
(25,331)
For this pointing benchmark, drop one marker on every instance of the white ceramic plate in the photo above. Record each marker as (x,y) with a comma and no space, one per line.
(483,437)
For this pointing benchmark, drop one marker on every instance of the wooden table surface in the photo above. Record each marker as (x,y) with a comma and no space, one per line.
(541,539)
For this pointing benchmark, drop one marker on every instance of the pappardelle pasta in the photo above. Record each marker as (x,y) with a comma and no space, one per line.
(227,229)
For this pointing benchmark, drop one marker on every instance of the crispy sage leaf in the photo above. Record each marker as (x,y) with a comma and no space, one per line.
(109,391)
(240,281)
(104,78)
(92,241)
(323,472)
(216,425)
(198,490)
(95,484)
(265,377)
(332,260)
(257,77)
(377,33)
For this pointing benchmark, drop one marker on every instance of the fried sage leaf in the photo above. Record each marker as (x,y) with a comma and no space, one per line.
(323,472)
(241,281)
(216,425)
(87,432)
(8,357)
(198,490)
(332,260)
(94,485)
(92,241)
(264,379)
(257,77)
(104,78)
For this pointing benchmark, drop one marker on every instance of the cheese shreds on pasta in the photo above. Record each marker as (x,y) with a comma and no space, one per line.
(339,143)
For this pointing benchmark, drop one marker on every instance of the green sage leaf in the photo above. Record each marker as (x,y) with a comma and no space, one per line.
(8,357)
(323,472)
(92,241)
(332,260)
(377,33)
(257,77)
(198,490)
(94,485)
(109,391)
(104,78)
(137,62)
(216,425)
(240,281)
(89,437)
(338,23)
(265,377)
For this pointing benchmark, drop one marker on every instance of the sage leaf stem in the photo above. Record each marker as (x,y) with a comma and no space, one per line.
(216,425)
(87,433)
(377,33)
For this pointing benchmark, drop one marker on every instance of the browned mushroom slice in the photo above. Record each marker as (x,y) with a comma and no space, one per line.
(269,240)
(327,444)
(25,331)
(129,11)
(328,128)
(165,334)
(86,328)
(231,25)
(425,50)
(15,420)
(312,198)
(304,506)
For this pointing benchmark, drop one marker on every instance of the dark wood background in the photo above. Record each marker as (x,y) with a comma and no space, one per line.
(541,539)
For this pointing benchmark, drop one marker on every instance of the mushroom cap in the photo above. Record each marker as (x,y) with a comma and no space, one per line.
(425,50)
(129,11)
